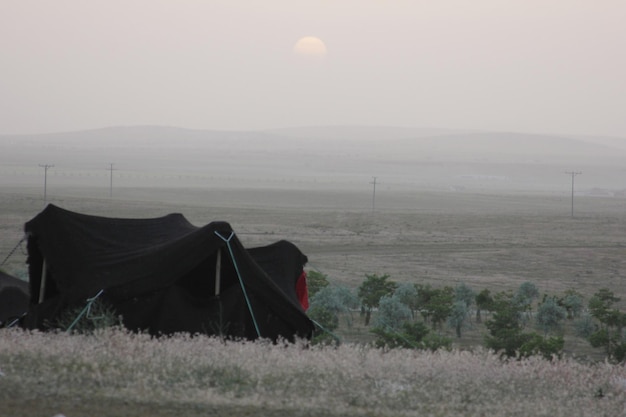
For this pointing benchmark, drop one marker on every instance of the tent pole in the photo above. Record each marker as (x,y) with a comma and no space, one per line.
(243,287)
(218,272)
(42,286)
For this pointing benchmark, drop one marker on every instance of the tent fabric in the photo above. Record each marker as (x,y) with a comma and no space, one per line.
(13,298)
(286,273)
(159,274)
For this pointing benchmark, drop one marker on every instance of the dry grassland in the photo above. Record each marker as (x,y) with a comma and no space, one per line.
(115,373)
(487,240)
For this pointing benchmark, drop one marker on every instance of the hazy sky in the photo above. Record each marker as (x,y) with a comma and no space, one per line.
(541,66)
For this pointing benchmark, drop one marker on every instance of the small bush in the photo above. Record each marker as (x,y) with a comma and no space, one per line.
(99,315)
(585,326)
(549,348)
(392,312)
(435,341)
(414,335)
(328,320)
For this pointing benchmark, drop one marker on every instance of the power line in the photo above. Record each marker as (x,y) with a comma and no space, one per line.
(374,194)
(111,182)
(573,174)
(45,181)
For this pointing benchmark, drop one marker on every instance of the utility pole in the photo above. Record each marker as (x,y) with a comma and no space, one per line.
(45,181)
(111,182)
(573,174)
(374,194)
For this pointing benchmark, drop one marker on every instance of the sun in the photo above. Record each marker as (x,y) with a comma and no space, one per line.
(310,47)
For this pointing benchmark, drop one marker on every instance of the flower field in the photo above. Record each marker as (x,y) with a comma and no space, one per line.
(117,373)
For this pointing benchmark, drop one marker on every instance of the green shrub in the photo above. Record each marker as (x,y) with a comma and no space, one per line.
(328,321)
(412,335)
(436,341)
(315,281)
(392,313)
(550,348)
(585,326)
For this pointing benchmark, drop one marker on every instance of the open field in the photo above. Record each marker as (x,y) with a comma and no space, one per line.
(485,240)
(494,241)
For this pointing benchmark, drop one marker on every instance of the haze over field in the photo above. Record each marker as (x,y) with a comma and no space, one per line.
(334,157)
(537,66)
(448,95)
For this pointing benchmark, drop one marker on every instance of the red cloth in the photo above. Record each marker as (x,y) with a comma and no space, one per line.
(302,291)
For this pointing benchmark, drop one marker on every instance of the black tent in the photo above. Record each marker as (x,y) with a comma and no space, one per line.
(13,298)
(162,275)
(283,262)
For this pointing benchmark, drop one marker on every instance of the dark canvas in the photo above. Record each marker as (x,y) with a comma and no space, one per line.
(282,261)
(13,298)
(158,273)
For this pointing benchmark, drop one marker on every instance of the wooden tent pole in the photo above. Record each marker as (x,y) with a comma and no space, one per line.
(42,286)
(218,272)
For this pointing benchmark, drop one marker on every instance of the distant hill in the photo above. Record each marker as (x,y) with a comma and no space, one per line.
(406,142)
(135,136)
(368,133)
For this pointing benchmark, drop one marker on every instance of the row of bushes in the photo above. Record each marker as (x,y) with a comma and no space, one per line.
(520,324)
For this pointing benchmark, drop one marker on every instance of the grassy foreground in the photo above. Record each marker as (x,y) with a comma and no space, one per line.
(116,373)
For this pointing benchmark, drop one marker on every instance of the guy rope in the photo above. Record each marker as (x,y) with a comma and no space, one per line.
(19,244)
